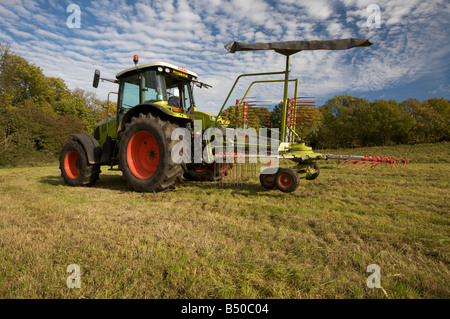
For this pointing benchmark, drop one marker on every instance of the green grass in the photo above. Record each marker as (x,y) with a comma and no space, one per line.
(205,241)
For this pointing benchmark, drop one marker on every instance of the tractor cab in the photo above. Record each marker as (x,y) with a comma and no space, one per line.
(160,86)
(159,83)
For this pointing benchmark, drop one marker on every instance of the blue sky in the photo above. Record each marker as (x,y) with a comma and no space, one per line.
(409,57)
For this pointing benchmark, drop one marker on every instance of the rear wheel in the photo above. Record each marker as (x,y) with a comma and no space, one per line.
(145,154)
(74,165)
(286,180)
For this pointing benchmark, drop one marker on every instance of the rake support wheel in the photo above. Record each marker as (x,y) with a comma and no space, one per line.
(286,180)
(267,180)
(313,171)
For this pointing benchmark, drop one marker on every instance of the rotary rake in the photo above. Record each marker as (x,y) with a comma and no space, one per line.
(296,113)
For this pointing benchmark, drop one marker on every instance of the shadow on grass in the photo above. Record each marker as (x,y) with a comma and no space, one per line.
(111,182)
(246,189)
(116,183)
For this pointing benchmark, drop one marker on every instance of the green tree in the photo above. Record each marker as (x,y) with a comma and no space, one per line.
(308,120)
(29,136)
(21,81)
(343,121)
(59,88)
(77,107)
(97,107)
(276,116)
(389,123)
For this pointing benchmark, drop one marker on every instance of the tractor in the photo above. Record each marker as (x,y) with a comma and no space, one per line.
(156,98)
(153,100)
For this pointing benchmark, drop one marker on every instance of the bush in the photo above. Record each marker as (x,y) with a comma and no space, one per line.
(28,135)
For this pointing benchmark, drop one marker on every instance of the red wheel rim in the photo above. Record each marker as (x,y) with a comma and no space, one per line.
(205,166)
(268,179)
(143,155)
(72,164)
(285,180)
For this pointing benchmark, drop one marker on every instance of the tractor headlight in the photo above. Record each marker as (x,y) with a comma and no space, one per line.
(213,118)
(160,69)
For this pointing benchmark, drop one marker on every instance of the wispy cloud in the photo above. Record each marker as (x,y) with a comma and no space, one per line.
(410,44)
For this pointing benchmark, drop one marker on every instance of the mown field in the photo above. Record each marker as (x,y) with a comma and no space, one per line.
(205,241)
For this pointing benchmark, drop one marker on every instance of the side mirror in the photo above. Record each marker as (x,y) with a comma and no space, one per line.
(96,78)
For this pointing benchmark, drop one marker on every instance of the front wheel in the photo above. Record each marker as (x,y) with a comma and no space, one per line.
(74,165)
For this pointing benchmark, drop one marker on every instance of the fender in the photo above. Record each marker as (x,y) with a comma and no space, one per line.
(91,147)
(145,108)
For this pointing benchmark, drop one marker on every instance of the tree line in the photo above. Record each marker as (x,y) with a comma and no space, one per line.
(37,113)
(345,121)
(354,122)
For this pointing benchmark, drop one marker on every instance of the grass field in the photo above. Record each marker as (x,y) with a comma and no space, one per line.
(205,241)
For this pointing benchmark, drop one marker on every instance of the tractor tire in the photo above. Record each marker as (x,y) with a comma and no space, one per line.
(316,171)
(145,154)
(267,180)
(209,172)
(74,165)
(286,180)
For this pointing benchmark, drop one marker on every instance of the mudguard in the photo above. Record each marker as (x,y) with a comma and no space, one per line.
(91,146)
(148,108)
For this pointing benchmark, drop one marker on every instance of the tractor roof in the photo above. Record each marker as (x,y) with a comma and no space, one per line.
(155,64)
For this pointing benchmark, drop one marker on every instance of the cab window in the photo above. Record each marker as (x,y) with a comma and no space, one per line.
(178,94)
(153,86)
(129,92)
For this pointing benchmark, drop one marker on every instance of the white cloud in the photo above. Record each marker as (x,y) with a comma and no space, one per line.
(411,42)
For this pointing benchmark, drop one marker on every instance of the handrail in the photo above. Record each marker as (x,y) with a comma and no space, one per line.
(234,85)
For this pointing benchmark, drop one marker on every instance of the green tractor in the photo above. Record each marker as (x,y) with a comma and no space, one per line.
(153,100)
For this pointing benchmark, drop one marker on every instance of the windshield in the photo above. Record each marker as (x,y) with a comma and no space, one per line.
(156,86)
(153,89)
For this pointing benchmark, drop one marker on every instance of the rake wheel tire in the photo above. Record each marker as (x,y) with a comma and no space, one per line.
(286,180)
(267,180)
(145,154)
(74,165)
(315,174)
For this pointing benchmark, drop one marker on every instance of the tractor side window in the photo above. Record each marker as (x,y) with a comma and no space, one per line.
(153,85)
(178,95)
(187,97)
(129,96)
(174,97)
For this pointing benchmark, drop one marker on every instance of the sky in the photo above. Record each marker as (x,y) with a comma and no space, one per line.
(409,58)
